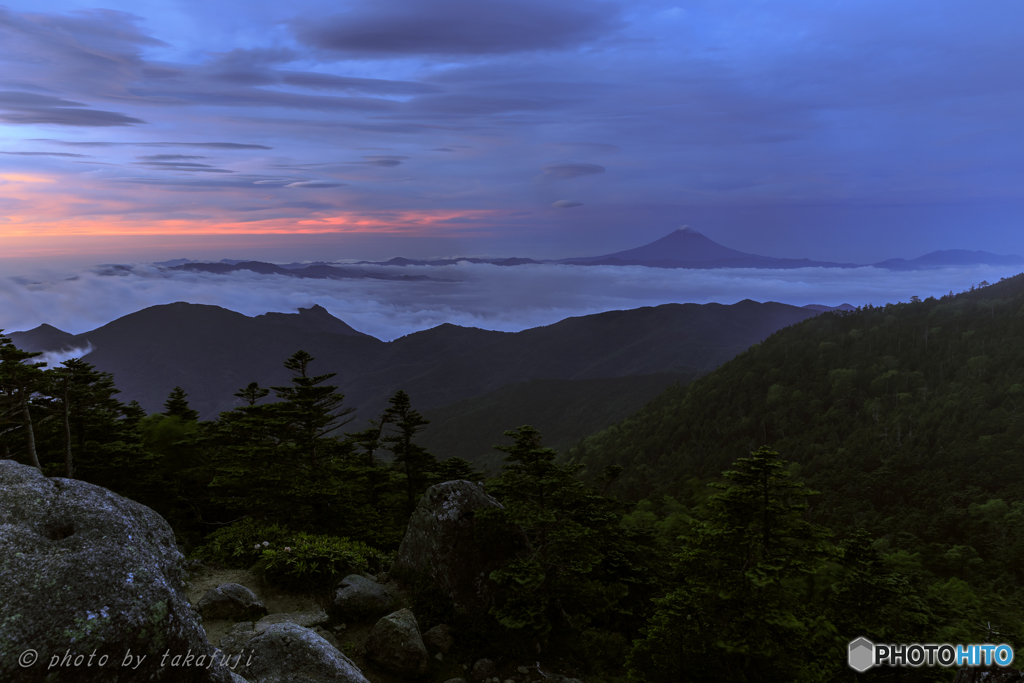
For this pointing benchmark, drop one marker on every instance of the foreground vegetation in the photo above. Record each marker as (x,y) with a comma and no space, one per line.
(854,475)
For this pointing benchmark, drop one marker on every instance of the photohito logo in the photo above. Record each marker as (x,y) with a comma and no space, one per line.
(863,654)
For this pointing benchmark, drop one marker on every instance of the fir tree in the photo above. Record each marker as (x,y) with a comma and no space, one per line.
(414,461)
(19,380)
(176,405)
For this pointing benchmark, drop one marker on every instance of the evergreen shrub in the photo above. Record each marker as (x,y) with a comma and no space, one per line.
(241,544)
(308,562)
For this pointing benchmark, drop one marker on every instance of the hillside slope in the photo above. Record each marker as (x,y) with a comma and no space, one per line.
(909,419)
(212,352)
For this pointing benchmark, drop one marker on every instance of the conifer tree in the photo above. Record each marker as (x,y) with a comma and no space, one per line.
(176,405)
(19,380)
(742,610)
(414,461)
(581,564)
(252,393)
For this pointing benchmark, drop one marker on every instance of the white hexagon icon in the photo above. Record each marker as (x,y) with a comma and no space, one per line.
(862,654)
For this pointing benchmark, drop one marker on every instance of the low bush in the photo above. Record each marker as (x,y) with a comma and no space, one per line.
(241,544)
(308,562)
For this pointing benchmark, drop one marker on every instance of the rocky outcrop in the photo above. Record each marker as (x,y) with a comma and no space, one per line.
(231,601)
(443,544)
(395,643)
(358,597)
(85,571)
(289,653)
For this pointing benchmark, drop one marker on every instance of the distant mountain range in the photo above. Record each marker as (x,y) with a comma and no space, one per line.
(684,248)
(212,352)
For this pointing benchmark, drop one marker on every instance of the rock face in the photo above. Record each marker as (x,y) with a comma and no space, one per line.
(289,653)
(358,597)
(231,601)
(442,544)
(395,643)
(84,570)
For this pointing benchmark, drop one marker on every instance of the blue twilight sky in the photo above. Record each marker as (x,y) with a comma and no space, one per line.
(848,131)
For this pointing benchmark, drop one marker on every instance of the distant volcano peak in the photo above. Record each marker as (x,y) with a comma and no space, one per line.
(684,244)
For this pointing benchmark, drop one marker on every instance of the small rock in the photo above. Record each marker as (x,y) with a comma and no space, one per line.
(439,657)
(307,619)
(396,644)
(341,627)
(439,639)
(483,669)
(362,597)
(523,670)
(230,601)
(509,680)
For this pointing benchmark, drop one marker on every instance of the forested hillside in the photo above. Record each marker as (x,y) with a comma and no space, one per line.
(908,418)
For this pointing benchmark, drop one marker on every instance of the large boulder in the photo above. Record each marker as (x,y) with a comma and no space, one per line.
(311,618)
(85,571)
(444,544)
(395,643)
(358,597)
(236,640)
(230,601)
(289,653)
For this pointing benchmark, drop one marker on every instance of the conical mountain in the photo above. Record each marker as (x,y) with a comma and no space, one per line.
(685,244)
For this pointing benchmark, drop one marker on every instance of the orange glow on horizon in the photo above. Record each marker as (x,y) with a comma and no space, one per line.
(38,209)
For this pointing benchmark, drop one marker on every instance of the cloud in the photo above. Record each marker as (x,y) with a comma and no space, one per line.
(170,157)
(53,359)
(182,166)
(199,145)
(31,108)
(47,154)
(315,184)
(374,86)
(393,28)
(485,296)
(382,160)
(567,171)
(565,204)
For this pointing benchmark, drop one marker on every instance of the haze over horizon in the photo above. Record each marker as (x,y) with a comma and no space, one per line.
(145,131)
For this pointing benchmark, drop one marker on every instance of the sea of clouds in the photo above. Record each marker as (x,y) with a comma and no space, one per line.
(473,295)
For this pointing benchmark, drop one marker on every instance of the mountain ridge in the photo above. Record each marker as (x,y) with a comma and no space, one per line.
(212,352)
(684,248)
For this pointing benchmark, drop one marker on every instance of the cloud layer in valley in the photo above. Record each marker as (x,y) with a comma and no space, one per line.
(472,295)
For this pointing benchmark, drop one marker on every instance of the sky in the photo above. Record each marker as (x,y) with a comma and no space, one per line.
(142,131)
(844,131)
